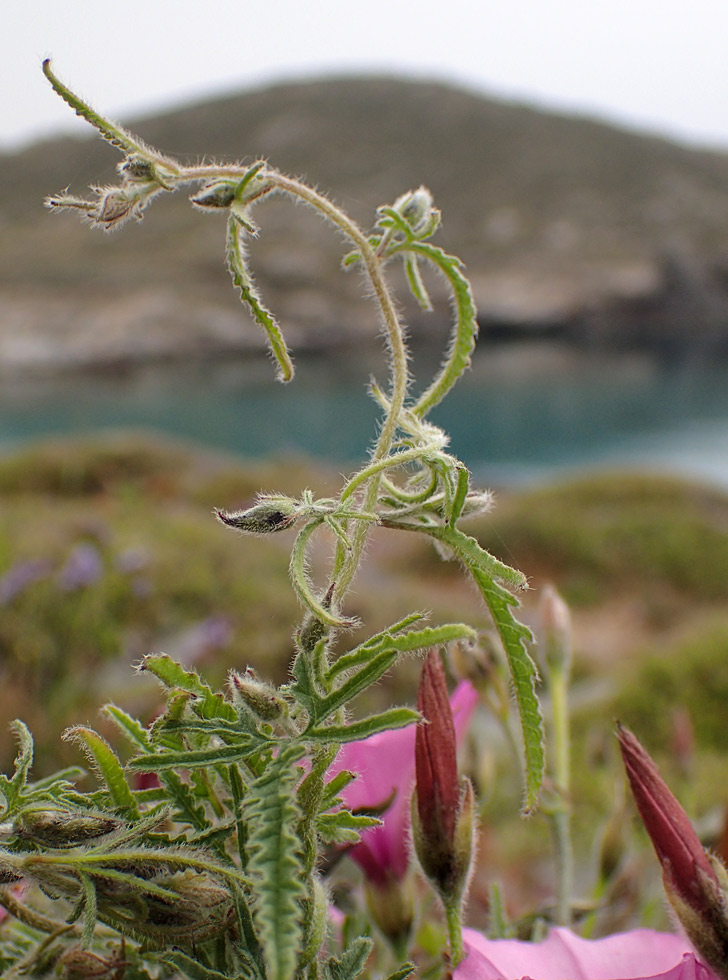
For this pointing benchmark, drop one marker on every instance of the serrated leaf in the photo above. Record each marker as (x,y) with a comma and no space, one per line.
(356,730)
(406,970)
(514,636)
(335,785)
(352,961)
(133,729)
(194,758)
(407,642)
(108,767)
(275,865)
(208,704)
(343,827)
(465,326)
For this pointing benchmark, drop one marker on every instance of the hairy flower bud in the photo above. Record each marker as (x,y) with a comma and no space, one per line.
(64,828)
(262,699)
(696,885)
(442,805)
(270,513)
(219,194)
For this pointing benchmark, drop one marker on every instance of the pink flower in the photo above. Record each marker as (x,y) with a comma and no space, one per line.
(636,955)
(385,765)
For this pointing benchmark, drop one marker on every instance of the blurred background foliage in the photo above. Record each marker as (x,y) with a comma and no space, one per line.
(109,549)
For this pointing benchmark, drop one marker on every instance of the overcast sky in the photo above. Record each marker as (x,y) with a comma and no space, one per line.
(661,65)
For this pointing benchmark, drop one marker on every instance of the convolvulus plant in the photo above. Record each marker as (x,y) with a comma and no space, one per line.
(212,866)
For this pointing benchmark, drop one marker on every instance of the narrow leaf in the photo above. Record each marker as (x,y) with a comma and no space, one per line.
(301,584)
(367,675)
(420,639)
(524,676)
(416,285)
(356,730)
(465,327)
(248,293)
(133,729)
(108,767)
(194,758)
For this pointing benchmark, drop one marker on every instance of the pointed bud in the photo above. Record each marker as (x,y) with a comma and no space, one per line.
(262,699)
(270,513)
(442,807)
(220,194)
(695,883)
(556,626)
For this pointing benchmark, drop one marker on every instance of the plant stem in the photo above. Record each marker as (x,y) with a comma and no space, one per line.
(561,816)
(454,920)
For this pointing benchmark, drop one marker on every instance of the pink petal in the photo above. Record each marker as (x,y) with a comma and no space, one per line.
(636,955)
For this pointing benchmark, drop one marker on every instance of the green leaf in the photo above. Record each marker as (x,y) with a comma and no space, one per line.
(428,636)
(263,317)
(11,789)
(108,767)
(133,729)
(352,961)
(114,134)
(335,785)
(343,827)
(367,675)
(208,704)
(194,970)
(301,584)
(275,864)
(88,910)
(465,327)
(194,758)
(416,285)
(514,636)
(406,970)
(356,730)
(473,555)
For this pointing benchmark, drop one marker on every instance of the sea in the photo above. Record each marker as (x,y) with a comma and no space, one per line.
(526,413)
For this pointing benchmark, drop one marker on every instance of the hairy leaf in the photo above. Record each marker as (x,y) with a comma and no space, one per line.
(275,864)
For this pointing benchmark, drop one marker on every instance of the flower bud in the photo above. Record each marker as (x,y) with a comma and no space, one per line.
(556,626)
(418,210)
(442,805)
(64,828)
(391,905)
(695,884)
(220,194)
(262,699)
(270,513)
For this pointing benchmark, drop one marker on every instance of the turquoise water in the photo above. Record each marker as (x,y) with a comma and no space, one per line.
(523,414)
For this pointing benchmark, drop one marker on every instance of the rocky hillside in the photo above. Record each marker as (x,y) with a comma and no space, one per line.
(567,226)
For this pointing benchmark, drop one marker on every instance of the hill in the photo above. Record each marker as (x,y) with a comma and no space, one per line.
(566,225)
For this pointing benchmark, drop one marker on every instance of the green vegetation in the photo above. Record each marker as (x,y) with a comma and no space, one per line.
(662,537)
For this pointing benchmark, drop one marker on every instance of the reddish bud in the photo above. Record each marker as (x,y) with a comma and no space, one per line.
(695,883)
(442,809)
